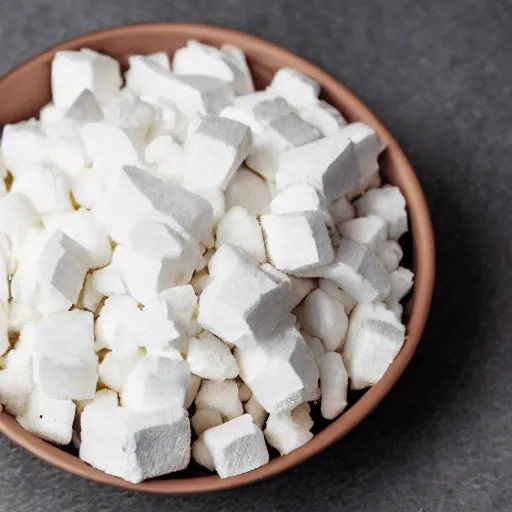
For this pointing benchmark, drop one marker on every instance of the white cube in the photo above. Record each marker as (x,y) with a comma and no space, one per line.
(220,396)
(296,88)
(236,193)
(334,385)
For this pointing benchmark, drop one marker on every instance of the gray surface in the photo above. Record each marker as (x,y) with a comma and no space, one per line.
(439,74)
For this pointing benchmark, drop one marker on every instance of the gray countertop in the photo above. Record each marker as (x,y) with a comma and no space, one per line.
(439,74)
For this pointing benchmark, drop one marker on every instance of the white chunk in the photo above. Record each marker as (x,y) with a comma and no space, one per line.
(5,293)
(102,398)
(328,164)
(334,385)
(341,210)
(21,312)
(258,413)
(210,358)
(243,78)
(215,197)
(242,116)
(389,204)
(169,157)
(371,230)
(239,228)
(325,117)
(237,446)
(293,130)
(297,241)
(202,455)
(204,419)
(390,253)
(280,370)
(74,71)
(237,192)
(396,308)
(374,338)
(135,446)
(265,154)
(48,418)
(296,88)
(193,388)
(244,392)
(168,119)
(297,198)
(315,345)
(116,366)
(89,299)
(226,259)
(272,109)
(338,294)
(85,109)
(324,317)
(155,383)
(401,283)
(64,358)
(50,115)
(220,396)
(200,281)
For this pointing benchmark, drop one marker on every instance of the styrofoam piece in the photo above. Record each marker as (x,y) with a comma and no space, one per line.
(371,230)
(331,288)
(116,366)
(236,193)
(204,419)
(295,87)
(325,117)
(334,385)
(237,446)
(390,253)
(135,446)
(220,396)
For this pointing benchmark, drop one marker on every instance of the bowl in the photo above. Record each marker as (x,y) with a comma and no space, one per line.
(26,89)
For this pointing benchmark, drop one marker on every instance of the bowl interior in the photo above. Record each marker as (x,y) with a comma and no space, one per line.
(27,88)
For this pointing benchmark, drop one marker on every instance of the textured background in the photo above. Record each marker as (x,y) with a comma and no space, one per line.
(439,74)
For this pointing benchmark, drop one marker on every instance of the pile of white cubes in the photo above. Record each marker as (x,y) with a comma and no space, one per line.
(186,264)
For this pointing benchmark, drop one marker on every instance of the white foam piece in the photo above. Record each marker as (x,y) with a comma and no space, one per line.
(334,385)
(331,288)
(255,409)
(220,396)
(401,283)
(202,455)
(204,419)
(371,230)
(156,382)
(295,87)
(237,446)
(280,369)
(74,71)
(64,358)
(135,446)
(325,117)
(390,253)
(389,204)
(374,338)
(236,193)
(325,318)
(239,228)
(297,241)
(85,109)
(116,366)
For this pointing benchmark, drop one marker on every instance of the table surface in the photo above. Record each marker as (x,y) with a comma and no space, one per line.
(439,74)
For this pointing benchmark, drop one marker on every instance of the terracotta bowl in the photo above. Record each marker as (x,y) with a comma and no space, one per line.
(27,88)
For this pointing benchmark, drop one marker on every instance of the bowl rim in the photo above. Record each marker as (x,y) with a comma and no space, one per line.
(423,263)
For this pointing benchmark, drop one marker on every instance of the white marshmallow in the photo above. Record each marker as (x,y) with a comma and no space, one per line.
(371,231)
(237,446)
(242,116)
(215,151)
(226,259)
(108,280)
(64,358)
(396,308)
(21,312)
(265,154)
(83,228)
(50,115)
(315,345)
(271,109)
(204,419)
(135,446)
(168,119)
(258,413)
(102,398)
(48,418)
(182,301)
(90,299)
(332,289)
(293,130)
(169,157)
(239,228)
(334,385)
(116,366)
(210,358)
(325,318)
(193,388)
(236,193)
(328,164)
(74,71)
(202,455)
(389,204)
(215,197)
(325,117)
(341,210)
(243,78)
(296,88)
(287,431)
(297,198)
(244,392)
(297,241)
(220,396)
(156,382)
(280,370)
(85,109)
(390,253)
(401,283)
(374,338)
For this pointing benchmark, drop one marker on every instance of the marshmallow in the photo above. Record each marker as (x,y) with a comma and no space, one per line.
(390,253)
(328,164)
(102,398)
(108,280)
(371,231)
(297,198)
(156,382)
(193,388)
(243,83)
(265,154)
(325,318)
(135,446)
(325,117)
(280,369)
(64,358)
(116,366)
(401,283)
(242,116)
(237,446)
(236,193)
(48,418)
(210,358)
(215,197)
(341,210)
(168,119)
(297,241)
(296,88)
(387,203)
(272,109)
(169,157)
(90,299)
(202,455)
(20,313)
(204,419)
(244,392)
(239,228)
(215,151)
(258,413)
(82,227)
(50,115)
(333,384)
(74,71)
(85,109)
(200,281)
(315,345)
(287,431)
(338,294)
(226,259)
(220,396)
(374,338)
(293,130)
(396,308)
